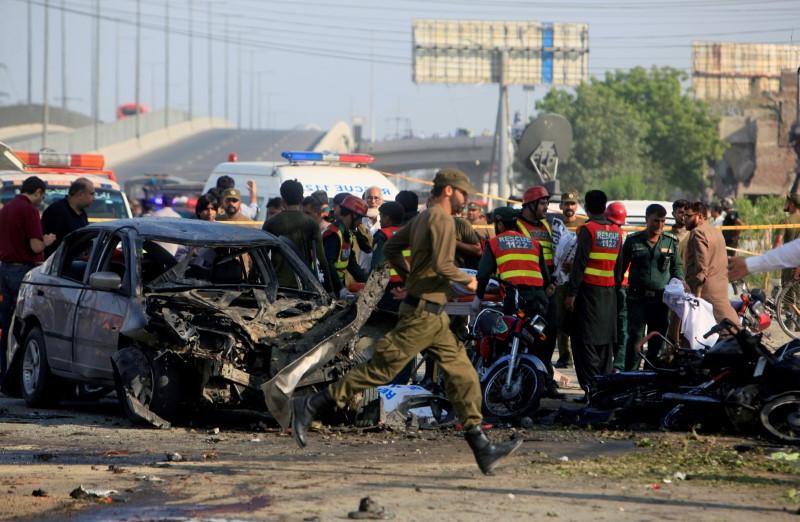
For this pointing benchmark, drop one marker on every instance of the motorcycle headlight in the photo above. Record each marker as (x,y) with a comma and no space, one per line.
(757,308)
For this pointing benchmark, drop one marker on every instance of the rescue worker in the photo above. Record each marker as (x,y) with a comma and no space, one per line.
(532,222)
(362,235)
(617,214)
(513,257)
(654,260)
(592,294)
(338,241)
(423,324)
(391,216)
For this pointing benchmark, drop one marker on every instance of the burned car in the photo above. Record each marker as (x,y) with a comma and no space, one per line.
(173,312)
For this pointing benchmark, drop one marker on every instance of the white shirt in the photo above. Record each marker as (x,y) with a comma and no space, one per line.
(786,256)
(166,212)
(365,260)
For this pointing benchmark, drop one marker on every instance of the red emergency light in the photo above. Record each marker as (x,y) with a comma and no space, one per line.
(52,159)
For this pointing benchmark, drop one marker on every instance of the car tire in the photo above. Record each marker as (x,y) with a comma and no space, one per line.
(40,388)
(158,389)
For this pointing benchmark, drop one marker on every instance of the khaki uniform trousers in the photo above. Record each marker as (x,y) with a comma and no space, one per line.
(417,330)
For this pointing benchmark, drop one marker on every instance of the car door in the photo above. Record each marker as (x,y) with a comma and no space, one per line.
(55,295)
(100,313)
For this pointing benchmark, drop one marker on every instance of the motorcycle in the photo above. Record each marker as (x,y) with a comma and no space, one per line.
(637,396)
(512,379)
(748,387)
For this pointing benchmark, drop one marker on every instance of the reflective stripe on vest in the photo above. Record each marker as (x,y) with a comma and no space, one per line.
(393,276)
(343,258)
(543,235)
(517,259)
(606,244)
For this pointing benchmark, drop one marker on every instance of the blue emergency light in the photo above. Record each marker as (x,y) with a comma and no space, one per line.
(327,156)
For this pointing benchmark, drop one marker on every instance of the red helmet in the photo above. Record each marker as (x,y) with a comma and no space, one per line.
(616,213)
(356,205)
(534,194)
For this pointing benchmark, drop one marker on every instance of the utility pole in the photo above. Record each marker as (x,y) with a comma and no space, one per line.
(63,56)
(30,53)
(96,82)
(252,86)
(45,102)
(191,60)
(166,65)
(210,66)
(239,94)
(138,68)
(503,179)
(227,76)
(372,89)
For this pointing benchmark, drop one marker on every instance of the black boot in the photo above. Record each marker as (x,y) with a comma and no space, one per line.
(305,410)
(487,453)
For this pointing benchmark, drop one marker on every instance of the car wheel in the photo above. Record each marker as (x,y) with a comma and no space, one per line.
(40,388)
(157,386)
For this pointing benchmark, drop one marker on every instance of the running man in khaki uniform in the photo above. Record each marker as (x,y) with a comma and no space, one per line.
(423,324)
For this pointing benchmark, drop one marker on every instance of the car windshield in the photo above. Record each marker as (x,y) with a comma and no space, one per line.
(108,203)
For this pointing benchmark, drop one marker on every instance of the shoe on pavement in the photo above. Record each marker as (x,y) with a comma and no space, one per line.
(562,364)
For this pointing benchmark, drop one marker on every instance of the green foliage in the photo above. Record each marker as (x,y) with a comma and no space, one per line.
(766,210)
(636,135)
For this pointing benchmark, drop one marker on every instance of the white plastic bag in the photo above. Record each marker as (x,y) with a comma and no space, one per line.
(697,315)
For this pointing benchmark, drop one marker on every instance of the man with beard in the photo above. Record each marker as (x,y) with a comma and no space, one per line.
(592,294)
(232,206)
(707,263)
(678,210)
(532,223)
(423,324)
(565,246)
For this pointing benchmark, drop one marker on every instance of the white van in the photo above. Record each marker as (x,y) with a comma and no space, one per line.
(333,173)
(636,211)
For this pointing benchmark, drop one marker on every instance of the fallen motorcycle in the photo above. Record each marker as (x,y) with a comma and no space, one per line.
(512,379)
(749,387)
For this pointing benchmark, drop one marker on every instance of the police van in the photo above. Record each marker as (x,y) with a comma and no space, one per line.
(333,173)
(58,171)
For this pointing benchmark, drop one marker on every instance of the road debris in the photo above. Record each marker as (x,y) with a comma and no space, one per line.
(368,509)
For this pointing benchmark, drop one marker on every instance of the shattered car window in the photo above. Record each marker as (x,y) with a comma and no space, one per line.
(76,256)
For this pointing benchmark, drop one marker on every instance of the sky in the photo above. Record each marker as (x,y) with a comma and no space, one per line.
(320,62)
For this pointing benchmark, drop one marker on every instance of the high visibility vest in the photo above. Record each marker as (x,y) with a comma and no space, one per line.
(543,234)
(517,259)
(393,276)
(606,245)
(345,249)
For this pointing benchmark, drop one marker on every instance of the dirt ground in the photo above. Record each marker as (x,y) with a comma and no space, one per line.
(242,467)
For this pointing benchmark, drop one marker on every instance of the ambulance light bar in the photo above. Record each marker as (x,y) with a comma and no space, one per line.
(53,159)
(328,156)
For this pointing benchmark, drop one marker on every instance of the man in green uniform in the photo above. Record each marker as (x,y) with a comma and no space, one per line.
(423,324)
(654,260)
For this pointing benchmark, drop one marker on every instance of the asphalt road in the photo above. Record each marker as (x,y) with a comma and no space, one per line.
(195,157)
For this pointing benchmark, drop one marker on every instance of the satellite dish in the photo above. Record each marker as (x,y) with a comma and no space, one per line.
(544,142)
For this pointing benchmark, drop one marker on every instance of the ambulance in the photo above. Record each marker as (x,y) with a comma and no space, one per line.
(59,171)
(333,173)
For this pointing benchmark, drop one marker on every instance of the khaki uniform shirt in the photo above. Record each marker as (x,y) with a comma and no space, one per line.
(431,237)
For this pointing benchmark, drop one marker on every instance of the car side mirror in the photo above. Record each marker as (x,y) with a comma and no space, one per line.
(105,281)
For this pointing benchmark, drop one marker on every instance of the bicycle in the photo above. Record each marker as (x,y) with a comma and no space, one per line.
(785,307)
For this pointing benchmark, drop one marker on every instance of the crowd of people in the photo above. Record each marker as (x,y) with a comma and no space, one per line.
(599,289)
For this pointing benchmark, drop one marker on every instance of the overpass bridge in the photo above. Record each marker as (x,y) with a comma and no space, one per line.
(473,155)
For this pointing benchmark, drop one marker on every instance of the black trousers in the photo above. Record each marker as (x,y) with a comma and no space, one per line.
(590,360)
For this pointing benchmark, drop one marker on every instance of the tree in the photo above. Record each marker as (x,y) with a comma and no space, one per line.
(636,135)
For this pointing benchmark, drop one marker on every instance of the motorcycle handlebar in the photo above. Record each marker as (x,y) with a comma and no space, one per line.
(725,324)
